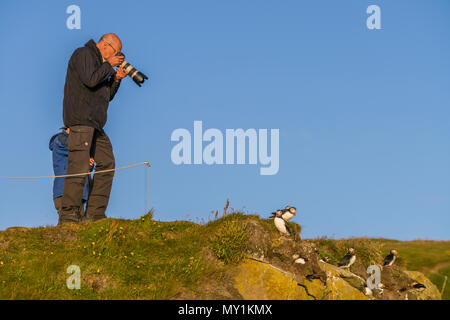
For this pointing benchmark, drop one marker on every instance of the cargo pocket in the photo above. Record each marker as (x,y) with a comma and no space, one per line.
(80,138)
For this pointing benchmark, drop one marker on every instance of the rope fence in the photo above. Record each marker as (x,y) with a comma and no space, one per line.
(146,164)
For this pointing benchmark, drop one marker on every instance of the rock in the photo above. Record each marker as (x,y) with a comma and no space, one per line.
(339,289)
(354,279)
(283,268)
(343,285)
(430,292)
(261,281)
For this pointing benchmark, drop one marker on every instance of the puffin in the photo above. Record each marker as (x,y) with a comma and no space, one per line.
(281,217)
(298,259)
(325,259)
(417,285)
(276,214)
(390,258)
(288,213)
(348,259)
(282,226)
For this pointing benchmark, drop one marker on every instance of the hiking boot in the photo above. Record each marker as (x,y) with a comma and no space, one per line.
(94,217)
(72,215)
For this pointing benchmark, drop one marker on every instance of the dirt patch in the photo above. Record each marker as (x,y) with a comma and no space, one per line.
(59,235)
(438,267)
(98,282)
(4,243)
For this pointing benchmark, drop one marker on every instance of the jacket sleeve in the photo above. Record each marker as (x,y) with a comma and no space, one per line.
(90,75)
(113,89)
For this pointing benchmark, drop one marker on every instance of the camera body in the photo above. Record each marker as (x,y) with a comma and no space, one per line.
(137,76)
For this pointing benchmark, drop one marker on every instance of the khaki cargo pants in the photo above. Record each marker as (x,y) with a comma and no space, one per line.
(83,143)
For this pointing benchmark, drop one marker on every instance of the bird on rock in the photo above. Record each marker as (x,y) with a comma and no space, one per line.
(417,285)
(390,258)
(348,259)
(281,217)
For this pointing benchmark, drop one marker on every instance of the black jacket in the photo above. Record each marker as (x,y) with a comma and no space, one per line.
(89,87)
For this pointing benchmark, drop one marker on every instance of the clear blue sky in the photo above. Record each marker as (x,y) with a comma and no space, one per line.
(363,114)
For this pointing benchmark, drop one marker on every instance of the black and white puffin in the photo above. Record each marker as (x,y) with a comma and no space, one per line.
(417,285)
(282,225)
(280,218)
(390,258)
(348,259)
(276,214)
(288,213)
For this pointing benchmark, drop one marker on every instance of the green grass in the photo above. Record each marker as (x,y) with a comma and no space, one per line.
(148,259)
(230,241)
(367,251)
(424,256)
(119,259)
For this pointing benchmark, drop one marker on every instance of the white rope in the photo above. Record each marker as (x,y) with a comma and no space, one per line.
(94,172)
(81,174)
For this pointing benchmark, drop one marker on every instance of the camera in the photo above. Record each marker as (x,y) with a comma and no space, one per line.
(137,76)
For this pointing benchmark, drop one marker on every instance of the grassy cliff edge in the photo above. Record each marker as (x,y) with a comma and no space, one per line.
(148,259)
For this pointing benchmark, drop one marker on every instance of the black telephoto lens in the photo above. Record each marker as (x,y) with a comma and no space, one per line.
(137,76)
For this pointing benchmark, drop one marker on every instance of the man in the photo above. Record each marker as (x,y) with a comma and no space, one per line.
(91,82)
(58,146)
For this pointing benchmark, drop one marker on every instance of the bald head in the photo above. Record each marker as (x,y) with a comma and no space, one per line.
(109,44)
(113,39)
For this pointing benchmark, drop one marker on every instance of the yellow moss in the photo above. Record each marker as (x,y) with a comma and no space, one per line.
(339,289)
(260,281)
(316,288)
